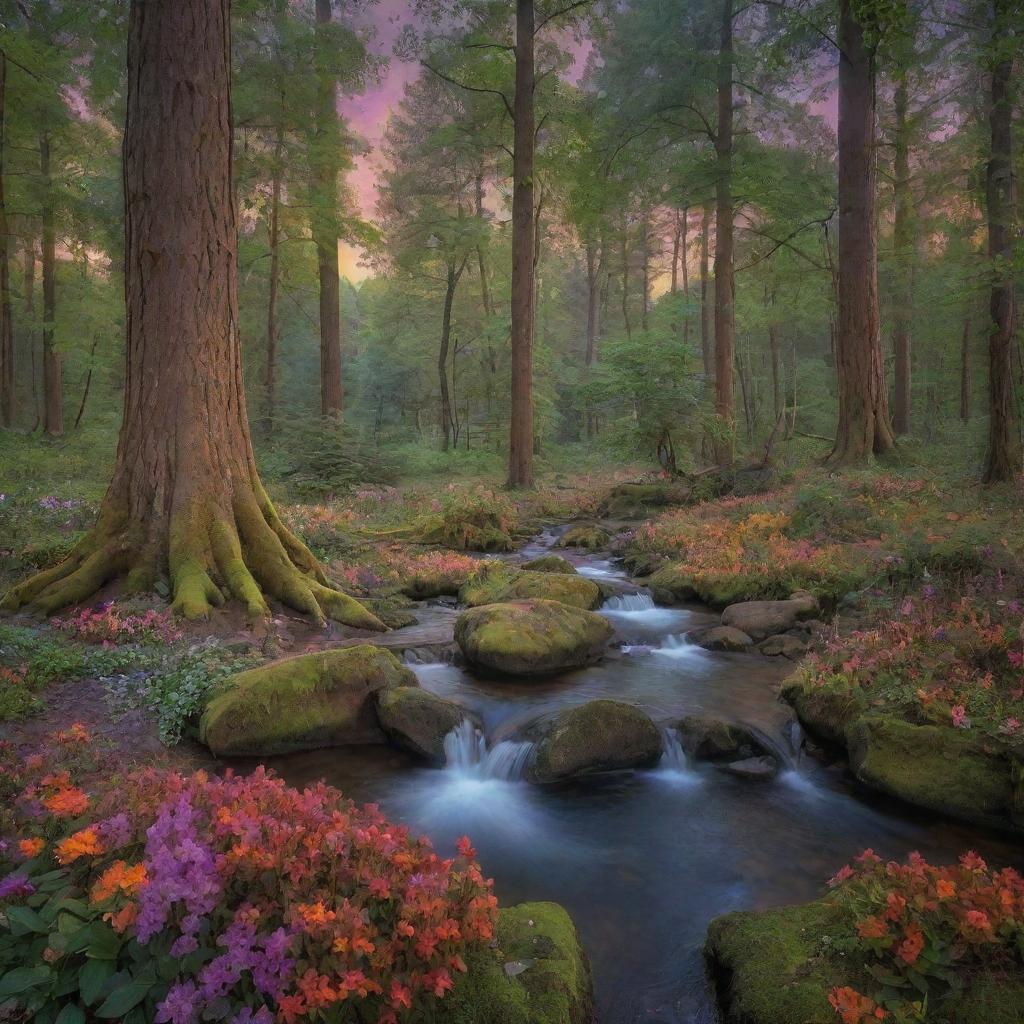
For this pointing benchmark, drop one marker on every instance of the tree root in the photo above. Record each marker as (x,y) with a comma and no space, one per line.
(248,553)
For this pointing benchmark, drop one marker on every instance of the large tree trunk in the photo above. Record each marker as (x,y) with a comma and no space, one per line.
(707,355)
(903,243)
(1003,459)
(53,383)
(724,284)
(325,231)
(274,233)
(447,420)
(863,426)
(520,454)
(185,498)
(6,326)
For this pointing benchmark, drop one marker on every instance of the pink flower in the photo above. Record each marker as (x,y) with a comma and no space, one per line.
(959,715)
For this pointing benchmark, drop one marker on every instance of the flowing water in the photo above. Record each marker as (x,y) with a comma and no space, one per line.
(641,860)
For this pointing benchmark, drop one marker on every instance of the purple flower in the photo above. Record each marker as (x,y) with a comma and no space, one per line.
(271,966)
(179,1005)
(15,887)
(183,945)
(116,831)
(218,977)
(246,1016)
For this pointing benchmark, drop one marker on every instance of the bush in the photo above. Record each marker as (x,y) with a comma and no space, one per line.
(925,928)
(480,520)
(178,899)
(956,663)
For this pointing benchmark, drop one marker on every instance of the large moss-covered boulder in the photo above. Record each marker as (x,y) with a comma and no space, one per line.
(537,973)
(760,619)
(495,582)
(825,711)
(326,699)
(418,720)
(954,772)
(589,537)
(778,967)
(600,736)
(707,738)
(529,638)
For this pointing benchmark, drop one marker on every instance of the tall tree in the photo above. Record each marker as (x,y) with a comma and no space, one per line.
(1003,458)
(903,243)
(324,150)
(6,327)
(53,370)
(185,498)
(520,452)
(863,427)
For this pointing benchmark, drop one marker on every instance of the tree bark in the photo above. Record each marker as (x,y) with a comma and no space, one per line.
(53,383)
(447,420)
(520,471)
(773,350)
(625,278)
(7,397)
(863,426)
(903,243)
(724,284)
(965,372)
(270,369)
(325,233)
(645,277)
(185,497)
(1003,458)
(707,355)
(684,252)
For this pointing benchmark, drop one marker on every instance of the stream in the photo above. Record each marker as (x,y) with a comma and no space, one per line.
(642,861)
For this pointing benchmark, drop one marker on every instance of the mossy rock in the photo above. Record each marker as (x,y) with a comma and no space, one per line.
(778,967)
(326,699)
(827,711)
(424,585)
(590,538)
(495,582)
(534,637)
(628,500)
(418,720)
(956,772)
(713,739)
(487,534)
(599,736)
(550,563)
(537,973)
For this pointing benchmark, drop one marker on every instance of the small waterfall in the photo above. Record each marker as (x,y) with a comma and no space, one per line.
(467,754)
(639,602)
(673,757)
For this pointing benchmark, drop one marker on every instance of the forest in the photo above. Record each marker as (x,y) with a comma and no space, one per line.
(509,511)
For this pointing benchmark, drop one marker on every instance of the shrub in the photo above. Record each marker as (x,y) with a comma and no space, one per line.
(957,663)
(925,929)
(480,520)
(178,899)
(106,624)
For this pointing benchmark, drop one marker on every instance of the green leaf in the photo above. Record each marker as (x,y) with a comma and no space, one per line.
(105,943)
(71,1014)
(122,999)
(21,979)
(91,979)
(27,921)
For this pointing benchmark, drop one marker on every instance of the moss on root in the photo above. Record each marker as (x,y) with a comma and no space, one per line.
(554,988)
(246,552)
(314,700)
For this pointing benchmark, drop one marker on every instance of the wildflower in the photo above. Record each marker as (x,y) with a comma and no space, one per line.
(67,802)
(972,862)
(842,875)
(912,945)
(15,887)
(959,715)
(978,920)
(945,889)
(84,843)
(872,928)
(180,1005)
(119,877)
(30,848)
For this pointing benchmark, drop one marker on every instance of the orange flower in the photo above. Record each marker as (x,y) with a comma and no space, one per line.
(121,919)
(119,877)
(76,734)
(84,843)
(67,802)
(945,889)
(30,848)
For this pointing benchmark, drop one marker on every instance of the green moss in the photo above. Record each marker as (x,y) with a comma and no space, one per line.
(601,735)
(550,563)
(554,988)
(531,637)
(418,720)
(589,537)
(495,582)
(778,966)
(825,711)
(313,700)
(948,770)
(626,500)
